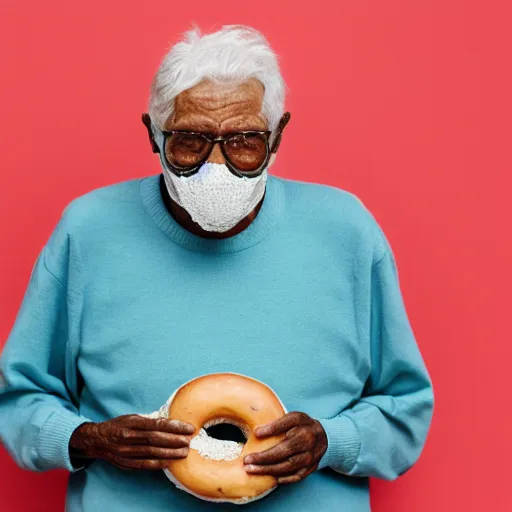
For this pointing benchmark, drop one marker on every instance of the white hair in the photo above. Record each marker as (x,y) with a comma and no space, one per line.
(233,54)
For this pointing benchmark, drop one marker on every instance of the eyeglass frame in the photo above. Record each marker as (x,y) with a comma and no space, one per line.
(221,140)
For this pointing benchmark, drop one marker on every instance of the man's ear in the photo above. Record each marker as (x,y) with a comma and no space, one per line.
(279,131)
(147,123)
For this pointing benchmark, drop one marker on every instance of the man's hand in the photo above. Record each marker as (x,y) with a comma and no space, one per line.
(295,457)
(132,441)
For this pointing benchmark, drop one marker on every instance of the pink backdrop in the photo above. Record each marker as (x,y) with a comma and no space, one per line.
(419,95)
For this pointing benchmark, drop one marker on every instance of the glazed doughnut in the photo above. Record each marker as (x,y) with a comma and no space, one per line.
(213,469)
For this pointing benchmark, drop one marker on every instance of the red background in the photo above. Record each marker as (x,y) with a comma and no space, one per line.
(418,93)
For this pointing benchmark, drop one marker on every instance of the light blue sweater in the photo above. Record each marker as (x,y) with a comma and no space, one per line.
(124,305)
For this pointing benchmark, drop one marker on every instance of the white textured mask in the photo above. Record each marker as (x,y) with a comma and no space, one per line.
(214,197)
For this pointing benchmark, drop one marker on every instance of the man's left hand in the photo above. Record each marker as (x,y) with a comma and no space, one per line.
(294,458)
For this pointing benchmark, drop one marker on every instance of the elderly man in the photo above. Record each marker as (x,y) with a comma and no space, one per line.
(215,266)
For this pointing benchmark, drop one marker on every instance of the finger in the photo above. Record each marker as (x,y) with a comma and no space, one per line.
(161,424)
(274,455)
(152,438)
(280,426)
(297,477)
(150,452)
(289,467)
(302,440)
(175,427)
(147,464)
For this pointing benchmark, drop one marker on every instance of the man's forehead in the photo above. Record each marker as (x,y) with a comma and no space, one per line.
(219,106)
(220,101)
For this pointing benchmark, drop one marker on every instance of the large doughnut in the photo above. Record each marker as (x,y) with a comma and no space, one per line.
(223,398)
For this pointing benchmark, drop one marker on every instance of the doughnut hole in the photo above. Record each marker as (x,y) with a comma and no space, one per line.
(226,432)
(220,439)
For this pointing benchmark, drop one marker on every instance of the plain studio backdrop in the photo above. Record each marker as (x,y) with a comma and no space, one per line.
(405,103)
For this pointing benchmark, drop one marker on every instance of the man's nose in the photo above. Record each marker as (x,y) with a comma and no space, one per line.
(216,156)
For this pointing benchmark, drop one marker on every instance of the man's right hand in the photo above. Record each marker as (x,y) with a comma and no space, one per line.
(132,441)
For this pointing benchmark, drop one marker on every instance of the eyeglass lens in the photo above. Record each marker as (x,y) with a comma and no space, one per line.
(246,152)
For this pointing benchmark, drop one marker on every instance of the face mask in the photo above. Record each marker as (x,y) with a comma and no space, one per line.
(214,197)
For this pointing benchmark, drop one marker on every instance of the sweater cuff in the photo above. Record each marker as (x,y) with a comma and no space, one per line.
(344,444)
(53,439)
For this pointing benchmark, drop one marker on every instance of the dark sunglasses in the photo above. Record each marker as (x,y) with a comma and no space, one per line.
(247,153)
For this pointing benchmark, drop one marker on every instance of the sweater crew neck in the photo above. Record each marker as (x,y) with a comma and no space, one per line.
(266,221)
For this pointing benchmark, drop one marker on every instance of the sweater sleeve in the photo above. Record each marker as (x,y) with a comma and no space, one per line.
(38,391)
(383,433)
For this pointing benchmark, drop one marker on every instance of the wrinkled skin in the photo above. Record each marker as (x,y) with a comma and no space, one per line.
(216,108)
(297,456)
(132,442)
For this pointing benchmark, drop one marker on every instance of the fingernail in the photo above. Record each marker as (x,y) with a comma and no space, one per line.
(250,467)
(248,460)
(186,426)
